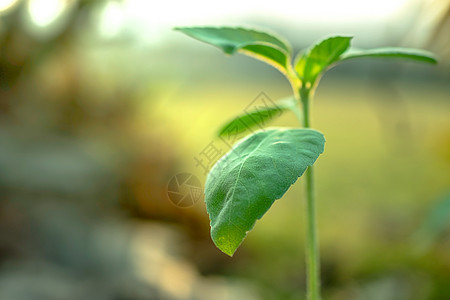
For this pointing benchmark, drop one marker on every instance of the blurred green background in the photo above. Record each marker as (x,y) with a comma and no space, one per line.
(101,104)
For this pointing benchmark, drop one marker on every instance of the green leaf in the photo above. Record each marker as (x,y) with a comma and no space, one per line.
(258,170)
(321,56)
(256,118)
(258,44)
(394,52)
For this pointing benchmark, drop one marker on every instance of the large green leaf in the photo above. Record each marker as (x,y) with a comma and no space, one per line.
(256,118)
(395,52)
(258,44)
(309,65)
(258,170)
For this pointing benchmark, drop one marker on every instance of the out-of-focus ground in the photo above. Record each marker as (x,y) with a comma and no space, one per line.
(94,125)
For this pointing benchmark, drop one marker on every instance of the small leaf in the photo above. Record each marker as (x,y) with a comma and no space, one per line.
(258,44)
(393,52)
(258,170)
(310,64)
(255,118)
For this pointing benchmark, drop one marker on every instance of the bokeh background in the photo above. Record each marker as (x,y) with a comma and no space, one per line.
(102,103)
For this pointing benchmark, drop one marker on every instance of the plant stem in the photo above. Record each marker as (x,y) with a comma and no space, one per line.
(304,98)
(312,251)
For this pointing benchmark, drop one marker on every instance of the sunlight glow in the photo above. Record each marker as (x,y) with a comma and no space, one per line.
(154,17)
(346,11)
(317,11)
(6,4)
(112,19)
(44,12)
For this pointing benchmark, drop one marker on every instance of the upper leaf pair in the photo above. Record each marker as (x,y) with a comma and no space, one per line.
(309,64)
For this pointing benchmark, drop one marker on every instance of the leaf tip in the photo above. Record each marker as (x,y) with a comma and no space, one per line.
(180,28)
(433,60)
(221,132)
(226,248)
(227,242)
(230,254)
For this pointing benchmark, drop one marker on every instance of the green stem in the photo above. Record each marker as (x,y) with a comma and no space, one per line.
(312,251)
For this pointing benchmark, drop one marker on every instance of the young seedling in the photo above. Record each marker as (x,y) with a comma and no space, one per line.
(261,167)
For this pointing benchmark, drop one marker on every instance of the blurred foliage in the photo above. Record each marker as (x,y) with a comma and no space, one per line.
(92,128)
